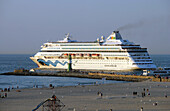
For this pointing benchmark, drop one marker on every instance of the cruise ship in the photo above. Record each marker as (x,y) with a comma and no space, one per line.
(112,53)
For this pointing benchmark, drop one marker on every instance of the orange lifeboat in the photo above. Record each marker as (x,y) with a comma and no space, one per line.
(95,55)
(73,54)
(65,54)
(89,55)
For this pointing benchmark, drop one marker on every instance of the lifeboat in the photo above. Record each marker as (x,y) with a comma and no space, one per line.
(95,55)
(89,55)
(81,55)
(65,54)
(73,54)
(86,55)
(78,55)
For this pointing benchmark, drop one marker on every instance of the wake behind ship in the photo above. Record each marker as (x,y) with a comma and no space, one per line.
(112,53)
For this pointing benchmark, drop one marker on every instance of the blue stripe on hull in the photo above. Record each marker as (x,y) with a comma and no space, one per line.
(52,63)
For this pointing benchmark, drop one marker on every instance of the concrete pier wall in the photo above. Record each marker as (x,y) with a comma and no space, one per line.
(118,77)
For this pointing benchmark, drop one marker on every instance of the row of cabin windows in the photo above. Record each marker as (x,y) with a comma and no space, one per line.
(114,55)
(118,59)
(101,63)
(141,63)
(90,48)
(143,60)
(91,44)
(82,51)
(140,55)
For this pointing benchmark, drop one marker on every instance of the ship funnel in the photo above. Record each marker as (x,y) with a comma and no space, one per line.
(115,36)
(116,31)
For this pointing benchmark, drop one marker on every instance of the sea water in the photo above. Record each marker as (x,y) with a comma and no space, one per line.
(10,62)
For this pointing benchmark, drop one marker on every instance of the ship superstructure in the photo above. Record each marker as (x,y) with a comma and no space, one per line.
(112,53)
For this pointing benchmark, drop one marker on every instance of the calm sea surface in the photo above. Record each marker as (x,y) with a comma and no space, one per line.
(10,62)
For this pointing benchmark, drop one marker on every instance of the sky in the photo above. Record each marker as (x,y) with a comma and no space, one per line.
(26,24)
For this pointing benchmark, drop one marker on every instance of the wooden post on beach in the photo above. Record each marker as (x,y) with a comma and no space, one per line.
(69,63)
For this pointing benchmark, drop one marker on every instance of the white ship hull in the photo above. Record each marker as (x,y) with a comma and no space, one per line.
(88,64)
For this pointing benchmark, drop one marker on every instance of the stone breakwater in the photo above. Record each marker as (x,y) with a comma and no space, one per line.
(81,74)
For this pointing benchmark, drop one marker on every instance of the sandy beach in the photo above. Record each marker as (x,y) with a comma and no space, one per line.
(117,96)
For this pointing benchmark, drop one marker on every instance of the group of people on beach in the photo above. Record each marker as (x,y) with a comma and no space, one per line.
(4,92)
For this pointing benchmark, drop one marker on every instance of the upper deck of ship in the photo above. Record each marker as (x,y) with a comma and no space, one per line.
(114,42)
(114,39)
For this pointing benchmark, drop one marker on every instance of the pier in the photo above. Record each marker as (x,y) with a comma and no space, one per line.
(91,75)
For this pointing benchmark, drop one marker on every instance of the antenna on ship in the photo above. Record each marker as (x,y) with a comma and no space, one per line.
(102,39)
(68,36)
(98,40)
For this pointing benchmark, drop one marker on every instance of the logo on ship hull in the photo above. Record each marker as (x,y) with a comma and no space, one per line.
(47,63)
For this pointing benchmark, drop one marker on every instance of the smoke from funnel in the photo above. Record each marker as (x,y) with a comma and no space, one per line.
(127,26)
(145,22)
